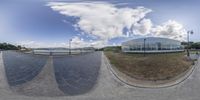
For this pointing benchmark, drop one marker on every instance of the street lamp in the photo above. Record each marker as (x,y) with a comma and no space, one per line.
(144,47)
(70,46)
(188,44)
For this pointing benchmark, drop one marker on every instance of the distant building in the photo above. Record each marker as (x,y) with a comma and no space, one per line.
(152,45)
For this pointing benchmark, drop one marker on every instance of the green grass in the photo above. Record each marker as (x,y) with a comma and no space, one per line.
(194,51)
(151,67)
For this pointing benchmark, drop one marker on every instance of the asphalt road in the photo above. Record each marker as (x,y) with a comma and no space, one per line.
(21,68)
(77,74)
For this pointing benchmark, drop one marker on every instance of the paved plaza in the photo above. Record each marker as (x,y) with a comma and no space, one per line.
(21,68)
(77,74)
(78,77)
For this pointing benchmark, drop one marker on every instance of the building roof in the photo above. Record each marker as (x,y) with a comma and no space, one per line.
(151,39)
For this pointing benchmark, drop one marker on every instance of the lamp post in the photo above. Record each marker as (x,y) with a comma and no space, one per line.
(70,46)
(188,41)
(144,47)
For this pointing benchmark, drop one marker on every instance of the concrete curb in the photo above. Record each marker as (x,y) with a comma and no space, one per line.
(3,79)
(147,84)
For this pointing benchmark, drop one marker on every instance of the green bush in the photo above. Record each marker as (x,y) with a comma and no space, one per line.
(113,48)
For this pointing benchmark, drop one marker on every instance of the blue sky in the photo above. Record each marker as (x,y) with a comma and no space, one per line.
(37,24)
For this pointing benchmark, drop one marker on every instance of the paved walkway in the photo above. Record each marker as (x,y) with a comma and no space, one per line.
(108,87)
(77,74)
(43,85)
(21,67)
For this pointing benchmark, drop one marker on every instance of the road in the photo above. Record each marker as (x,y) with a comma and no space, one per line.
(104,86)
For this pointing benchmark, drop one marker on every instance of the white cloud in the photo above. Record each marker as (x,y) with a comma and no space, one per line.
(103,20)
(170,29)
(34,44)
(143,27)
(77,42)
(30,44)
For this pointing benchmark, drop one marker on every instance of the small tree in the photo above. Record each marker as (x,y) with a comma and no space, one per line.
(19,47)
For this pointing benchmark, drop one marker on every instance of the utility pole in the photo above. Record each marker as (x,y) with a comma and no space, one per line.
(144,47)
(188,41)
(70,46)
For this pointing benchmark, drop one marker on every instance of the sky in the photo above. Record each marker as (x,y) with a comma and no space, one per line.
(97,23)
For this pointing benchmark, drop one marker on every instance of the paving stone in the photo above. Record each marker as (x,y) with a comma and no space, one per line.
(21,67)
(77,74)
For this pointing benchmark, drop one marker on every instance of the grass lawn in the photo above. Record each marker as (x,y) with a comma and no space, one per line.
(152,67)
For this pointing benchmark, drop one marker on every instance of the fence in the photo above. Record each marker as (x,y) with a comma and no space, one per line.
(61,52)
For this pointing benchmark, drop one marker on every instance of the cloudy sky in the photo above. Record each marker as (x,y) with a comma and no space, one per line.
(53,23)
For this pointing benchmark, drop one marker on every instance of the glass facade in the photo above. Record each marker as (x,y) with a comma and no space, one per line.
(152,44)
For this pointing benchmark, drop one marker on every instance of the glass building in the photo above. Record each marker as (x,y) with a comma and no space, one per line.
(151,45)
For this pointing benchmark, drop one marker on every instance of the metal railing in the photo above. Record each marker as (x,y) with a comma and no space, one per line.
(60,52)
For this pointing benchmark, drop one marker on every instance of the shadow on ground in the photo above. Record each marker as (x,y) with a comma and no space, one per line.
(21,68)
(37,75)
(77,74)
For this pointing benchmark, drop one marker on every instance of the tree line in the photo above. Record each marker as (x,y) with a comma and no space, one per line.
(195,45)
(192,45)
(8,46)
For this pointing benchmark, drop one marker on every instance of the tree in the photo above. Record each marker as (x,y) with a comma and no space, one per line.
(7,46)
(19,47)
(195,45)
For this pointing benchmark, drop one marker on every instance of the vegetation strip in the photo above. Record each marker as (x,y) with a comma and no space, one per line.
(152,67)
(145,84)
